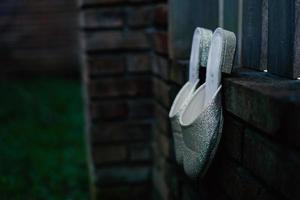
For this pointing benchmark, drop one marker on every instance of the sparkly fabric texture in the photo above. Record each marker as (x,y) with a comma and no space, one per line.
(205,45)
(177,131)
(177,138)
(201,137)
(205,42)
(229,50)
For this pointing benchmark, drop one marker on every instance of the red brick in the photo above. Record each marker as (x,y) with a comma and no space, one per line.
(110,2)
(269,103)
(239,184)
(139,1)
(109,154)
(161,67)
(161,92)
(140,152)
(274,164)
(41,37)
(232,137)
(109,110)
(104,132)
(139,109)
(103,18)
(129,130)
(44,7)
(96,2)
(160,42)
(124,192)
(139,62)
(190,192)
(112,40)
(160,185)
(177,73)
(162,119)
(161,15)
(163,143)
(114,87)
(106,64)
(35,21)
(123,175)
(165,178)
(141,16)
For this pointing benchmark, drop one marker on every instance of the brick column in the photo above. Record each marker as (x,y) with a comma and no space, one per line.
(118,59)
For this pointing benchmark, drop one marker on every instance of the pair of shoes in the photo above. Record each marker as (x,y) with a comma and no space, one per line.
(200,120)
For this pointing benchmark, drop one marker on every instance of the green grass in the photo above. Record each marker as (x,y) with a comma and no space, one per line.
(42,153)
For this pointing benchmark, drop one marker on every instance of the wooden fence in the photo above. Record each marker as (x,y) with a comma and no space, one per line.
(268,31)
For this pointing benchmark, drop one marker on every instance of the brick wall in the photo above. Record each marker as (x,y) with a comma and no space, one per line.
(38,37)
(131,82)
(119,59)
(258,156)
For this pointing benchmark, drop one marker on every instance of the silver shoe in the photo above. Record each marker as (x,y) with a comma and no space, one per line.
(202,120)
(199,53)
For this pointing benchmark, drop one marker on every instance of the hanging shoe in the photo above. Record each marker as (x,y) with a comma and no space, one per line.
(199,53)
(202,119)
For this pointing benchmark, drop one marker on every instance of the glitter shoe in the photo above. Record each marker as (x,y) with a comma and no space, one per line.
(202,120)
(199,53)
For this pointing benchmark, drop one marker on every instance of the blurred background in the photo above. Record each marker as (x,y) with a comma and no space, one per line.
(42,151)
(38,37)
(87,86)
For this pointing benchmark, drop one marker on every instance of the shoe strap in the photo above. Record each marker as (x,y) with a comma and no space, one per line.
(199,52)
